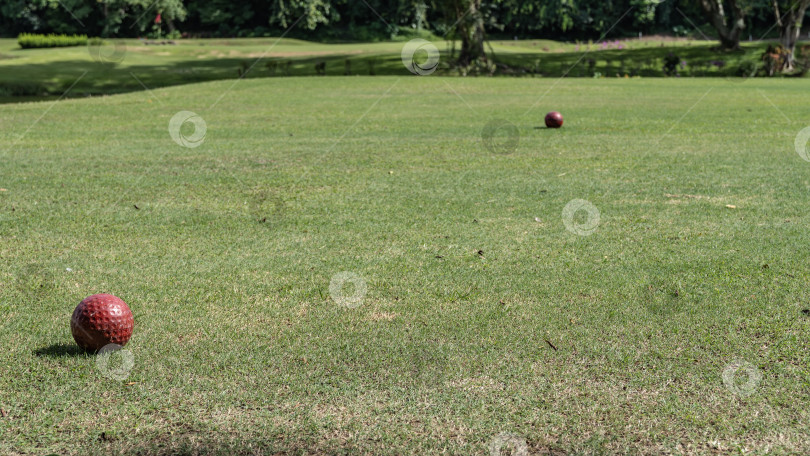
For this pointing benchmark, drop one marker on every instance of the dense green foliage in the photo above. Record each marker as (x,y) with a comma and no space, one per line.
(32,40)
(89,17)
(368,20)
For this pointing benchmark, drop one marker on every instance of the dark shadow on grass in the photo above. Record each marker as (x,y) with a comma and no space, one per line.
(85,78)
(60,351)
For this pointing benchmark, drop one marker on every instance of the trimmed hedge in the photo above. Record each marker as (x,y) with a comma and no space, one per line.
(30,40)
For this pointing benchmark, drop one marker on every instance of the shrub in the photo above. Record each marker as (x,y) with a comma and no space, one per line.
(671,63)
(29,40)
(775,59)
(680,30)
(748,69)
(22,90)
(803,60)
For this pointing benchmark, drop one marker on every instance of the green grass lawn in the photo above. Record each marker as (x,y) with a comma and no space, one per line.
(132,65)
(470,310)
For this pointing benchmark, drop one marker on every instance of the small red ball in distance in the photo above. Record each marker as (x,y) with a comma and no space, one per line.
(554,119)
(101,320)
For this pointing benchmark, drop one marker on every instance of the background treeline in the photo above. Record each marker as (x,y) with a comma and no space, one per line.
(353,20)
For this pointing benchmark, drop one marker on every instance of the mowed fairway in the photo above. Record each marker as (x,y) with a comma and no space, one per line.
(482,314)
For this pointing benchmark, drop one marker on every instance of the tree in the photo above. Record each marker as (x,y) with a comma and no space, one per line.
(728,28)
(228,18)
(125,17)
(106,18)
(537,15)
(790,26)
(17,16)
(468,27)
(644,11)
(311,13)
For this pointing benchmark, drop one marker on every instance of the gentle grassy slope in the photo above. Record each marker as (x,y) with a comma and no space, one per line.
(227,261)
(134,66)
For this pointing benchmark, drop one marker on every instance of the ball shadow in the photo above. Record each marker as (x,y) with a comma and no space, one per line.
(62,350)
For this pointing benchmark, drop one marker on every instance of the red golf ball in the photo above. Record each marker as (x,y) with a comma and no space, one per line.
(100,320)
(554,119)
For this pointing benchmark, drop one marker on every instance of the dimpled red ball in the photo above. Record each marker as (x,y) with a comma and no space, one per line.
(554,119)
(101,320)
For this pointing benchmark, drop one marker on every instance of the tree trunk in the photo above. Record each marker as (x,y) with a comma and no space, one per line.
(471,29)
(729,36)
(790,27)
